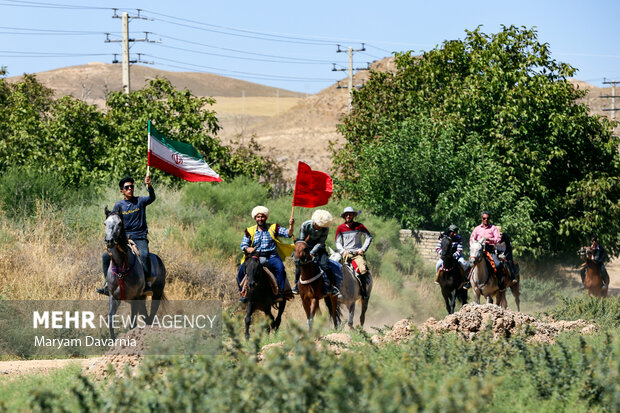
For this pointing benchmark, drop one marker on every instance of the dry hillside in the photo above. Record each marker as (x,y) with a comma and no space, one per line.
(92,81)
(288,125)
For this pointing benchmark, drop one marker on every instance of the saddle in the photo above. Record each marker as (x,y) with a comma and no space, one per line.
(273,283)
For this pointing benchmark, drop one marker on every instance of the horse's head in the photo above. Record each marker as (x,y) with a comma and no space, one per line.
(475,251)
(334,255)
(446,248)
(114,228)
(302,251)
(253,269)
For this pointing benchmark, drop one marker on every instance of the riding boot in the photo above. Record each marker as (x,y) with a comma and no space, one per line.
(296,287)
(332,281)
(364,286)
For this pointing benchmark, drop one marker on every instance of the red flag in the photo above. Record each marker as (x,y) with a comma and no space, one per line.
(312,188)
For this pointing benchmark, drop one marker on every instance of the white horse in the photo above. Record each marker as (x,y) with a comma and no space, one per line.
(480,278)
(351,290)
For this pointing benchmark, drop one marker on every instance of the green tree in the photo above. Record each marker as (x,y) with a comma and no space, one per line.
(489,122)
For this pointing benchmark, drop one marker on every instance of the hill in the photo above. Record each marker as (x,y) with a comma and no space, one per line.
(92,81)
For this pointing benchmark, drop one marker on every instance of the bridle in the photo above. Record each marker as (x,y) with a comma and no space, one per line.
(306,258)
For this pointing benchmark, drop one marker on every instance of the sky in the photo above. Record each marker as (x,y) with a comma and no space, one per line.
(293,44)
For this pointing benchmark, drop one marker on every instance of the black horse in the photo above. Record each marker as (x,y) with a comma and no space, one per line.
(125,275)
(261,289)
(450,278)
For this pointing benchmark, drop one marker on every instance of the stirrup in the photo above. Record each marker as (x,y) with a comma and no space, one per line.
(103,291)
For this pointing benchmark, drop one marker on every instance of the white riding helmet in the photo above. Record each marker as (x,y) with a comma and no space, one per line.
(260,210)
(322,218)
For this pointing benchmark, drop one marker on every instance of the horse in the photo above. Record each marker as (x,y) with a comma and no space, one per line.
(125,276)
(261,288)
(594,279)
(311,285)
(450,278)
(480,277)
(351,290)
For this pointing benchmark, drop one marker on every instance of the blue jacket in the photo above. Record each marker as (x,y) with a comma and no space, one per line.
(134,214)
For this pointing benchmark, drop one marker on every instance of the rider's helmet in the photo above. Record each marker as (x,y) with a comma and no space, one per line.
(322,218)
(453,228)
(260,210)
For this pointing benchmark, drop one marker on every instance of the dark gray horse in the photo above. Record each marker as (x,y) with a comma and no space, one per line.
(261,293)
(351,290)
(450,277)
(125,275)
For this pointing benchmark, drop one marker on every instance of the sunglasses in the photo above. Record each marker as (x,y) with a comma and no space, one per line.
(485,218)
(128,187)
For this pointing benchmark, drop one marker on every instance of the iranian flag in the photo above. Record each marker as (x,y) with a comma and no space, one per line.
(178,158)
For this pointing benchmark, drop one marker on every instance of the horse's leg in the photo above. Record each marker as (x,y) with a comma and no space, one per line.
(452,301)
(516,293)
(267,311)
(445,293)
(363,312)
(314,305)
(334,310)
(114,303)
(276,324)
(248,318)
(351,314)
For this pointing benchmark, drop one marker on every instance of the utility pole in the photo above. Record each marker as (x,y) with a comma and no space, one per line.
(612,96)
(350,69)
(125,41)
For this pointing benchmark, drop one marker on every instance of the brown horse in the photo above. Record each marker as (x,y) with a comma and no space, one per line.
(311,285)
(594,279)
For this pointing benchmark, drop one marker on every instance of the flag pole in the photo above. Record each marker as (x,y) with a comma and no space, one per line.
(148,145)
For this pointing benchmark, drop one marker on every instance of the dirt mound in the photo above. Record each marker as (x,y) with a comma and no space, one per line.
(123,355)
(473,318)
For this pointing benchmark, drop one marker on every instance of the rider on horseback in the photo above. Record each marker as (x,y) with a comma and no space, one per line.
(490,233)
(134,218)
(457,250)
(349,245)
(262,240)
(316,230)
(600,256)
(504,253)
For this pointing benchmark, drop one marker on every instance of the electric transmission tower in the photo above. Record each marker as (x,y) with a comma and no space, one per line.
(125,41)
(350,51)
(613,97)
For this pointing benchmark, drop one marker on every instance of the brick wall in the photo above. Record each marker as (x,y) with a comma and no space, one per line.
(424,241)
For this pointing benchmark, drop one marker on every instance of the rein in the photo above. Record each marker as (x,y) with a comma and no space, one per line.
(121,272)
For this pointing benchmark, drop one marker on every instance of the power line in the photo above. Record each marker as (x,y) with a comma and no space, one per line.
(264,75)
(301,60)
(25,30)
(42,5)
(201,52)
